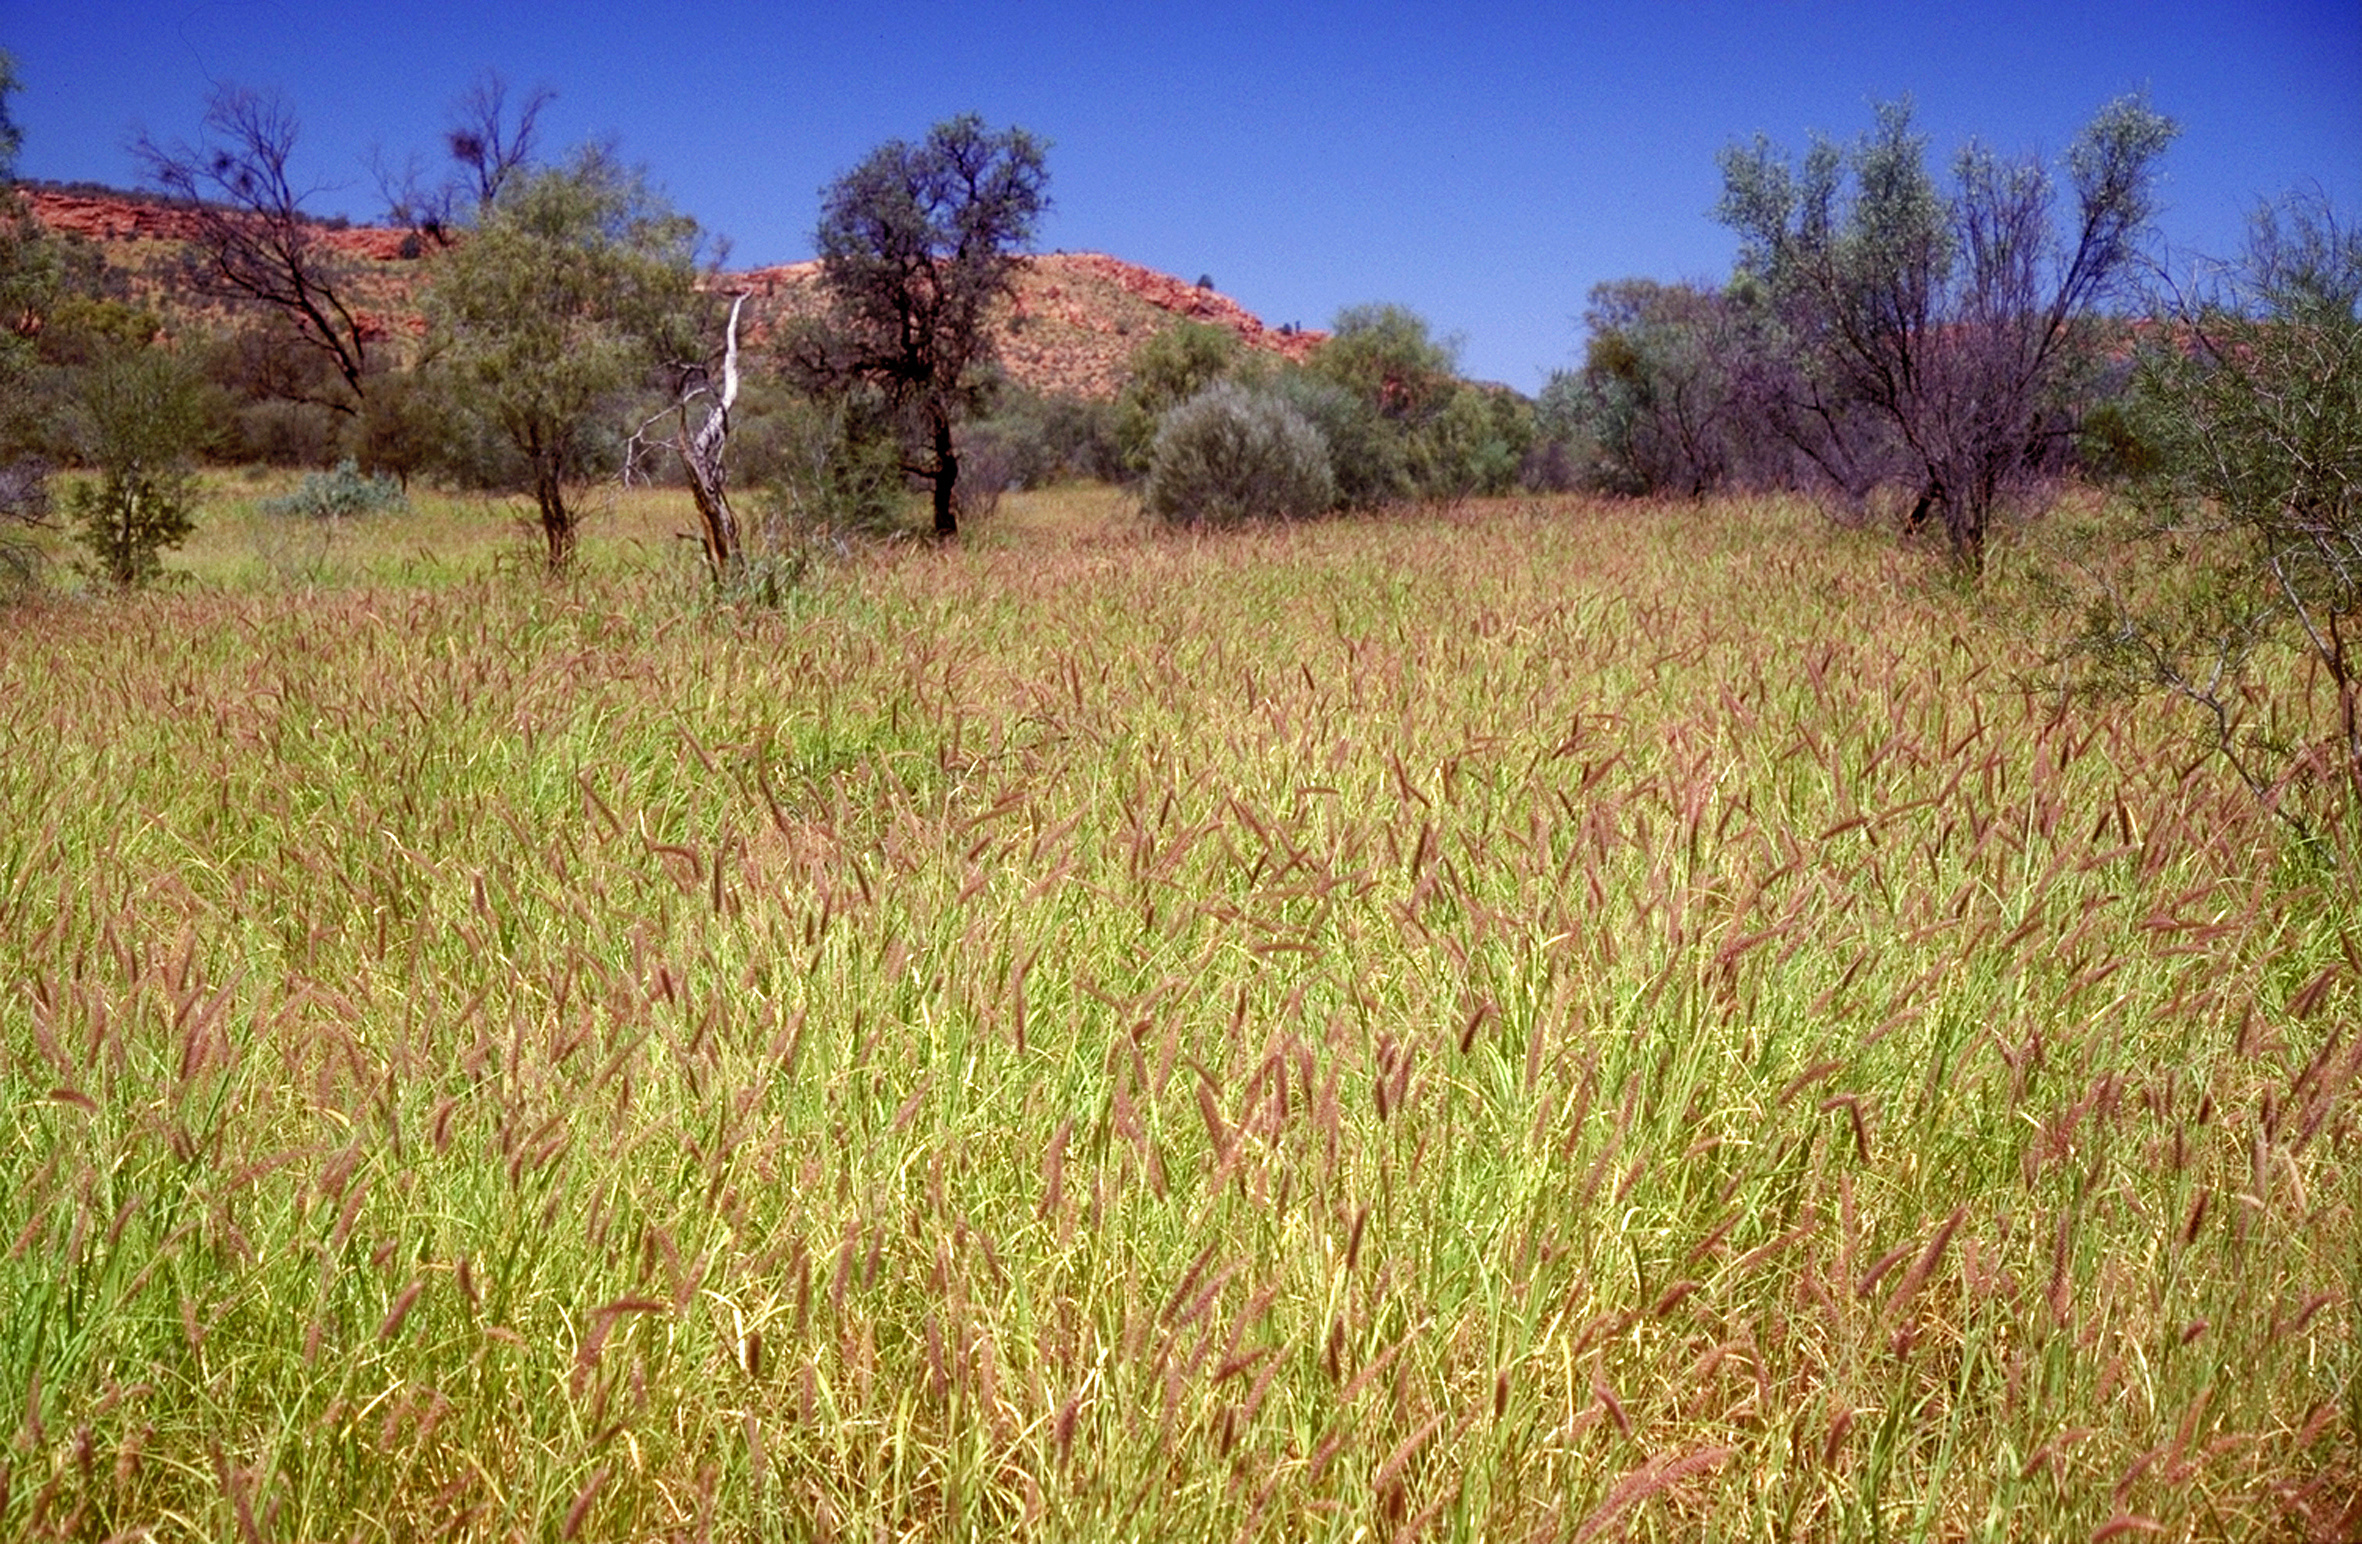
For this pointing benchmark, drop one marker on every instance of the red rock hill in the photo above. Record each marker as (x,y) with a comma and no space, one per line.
(1072,324)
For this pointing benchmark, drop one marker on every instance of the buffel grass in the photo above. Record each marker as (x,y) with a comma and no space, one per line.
(1544,1022)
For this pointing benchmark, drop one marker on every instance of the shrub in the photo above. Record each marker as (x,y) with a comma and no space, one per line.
(2243,435)
(1228,454)
(339,495)
(1035,440)
(1164,372)
(827,463)
(1368,456)
(138,419)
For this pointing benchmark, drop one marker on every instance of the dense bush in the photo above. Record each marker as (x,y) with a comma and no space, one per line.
(830,462)
(137,419)
(1230,454)
(1032,440)
(1368,461)
(1164,372)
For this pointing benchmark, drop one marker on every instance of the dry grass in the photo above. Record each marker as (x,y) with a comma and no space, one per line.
(1548,1021)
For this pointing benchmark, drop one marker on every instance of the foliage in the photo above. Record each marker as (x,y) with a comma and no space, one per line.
(1914,328)
(1474,446)
(917,243)
(1229,454)
(1031,440)
(1418,431)
(1385,355)
(404,427)
(577,282)
(28,282)
(138,420)
(1368,459)
(828,463)
(1169,368)
(2247,408)
(341,494)
(1660,405)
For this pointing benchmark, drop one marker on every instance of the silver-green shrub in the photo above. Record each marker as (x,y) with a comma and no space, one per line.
(341,494)
(1229,454)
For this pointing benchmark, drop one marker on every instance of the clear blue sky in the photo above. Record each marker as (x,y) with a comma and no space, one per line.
(1485,164)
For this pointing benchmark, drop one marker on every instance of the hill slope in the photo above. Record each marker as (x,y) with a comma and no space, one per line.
(1074,320)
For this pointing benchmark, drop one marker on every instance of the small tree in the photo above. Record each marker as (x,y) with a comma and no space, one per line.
(137,418)
(917,244)
(2247,401)
(1229,454)
(1656,390)
(1944,316)
(254,243)
(576,284)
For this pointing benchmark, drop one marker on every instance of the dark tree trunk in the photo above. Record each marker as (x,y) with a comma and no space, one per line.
(947,475)
(557,521)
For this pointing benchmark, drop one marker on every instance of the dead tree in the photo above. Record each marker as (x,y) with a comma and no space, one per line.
(253,241)
(701,447)
(488,148)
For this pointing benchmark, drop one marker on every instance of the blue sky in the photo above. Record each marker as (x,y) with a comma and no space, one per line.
(1484,164)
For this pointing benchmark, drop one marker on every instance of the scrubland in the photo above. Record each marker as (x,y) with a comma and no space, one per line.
(1540,1021)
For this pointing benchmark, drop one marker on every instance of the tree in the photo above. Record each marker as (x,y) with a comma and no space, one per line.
(1943,317)
(488,147)
(1406,382)
(254,243)
(1656,387)
(577,283)
(917,244)
(138,417)
(2247,402)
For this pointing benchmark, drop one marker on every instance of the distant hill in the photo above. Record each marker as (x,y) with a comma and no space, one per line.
(1075,319)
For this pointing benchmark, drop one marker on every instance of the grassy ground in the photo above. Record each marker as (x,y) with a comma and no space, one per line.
(1544,1021)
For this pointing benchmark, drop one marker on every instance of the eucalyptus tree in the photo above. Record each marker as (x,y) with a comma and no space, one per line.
(1938,319)
(918,244)
(576,286)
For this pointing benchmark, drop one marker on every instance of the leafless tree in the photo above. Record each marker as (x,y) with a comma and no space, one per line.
(254,243)
(701,448)
(488,146)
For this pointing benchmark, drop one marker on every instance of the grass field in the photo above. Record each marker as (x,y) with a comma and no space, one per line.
(1542,1021)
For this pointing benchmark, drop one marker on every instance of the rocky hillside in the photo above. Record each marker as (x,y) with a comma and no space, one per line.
(1075,318)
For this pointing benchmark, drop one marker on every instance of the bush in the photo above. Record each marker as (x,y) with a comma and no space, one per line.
(340,495)
(826,463)
(1228,454)
(139,420)
(1164,372)
(1035,440)
(1368,458)
(2244,428)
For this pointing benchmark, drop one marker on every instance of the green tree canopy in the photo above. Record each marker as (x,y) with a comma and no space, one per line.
(916,244)
(577,282)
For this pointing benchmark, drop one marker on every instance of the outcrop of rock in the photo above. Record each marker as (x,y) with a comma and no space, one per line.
(1070,328)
